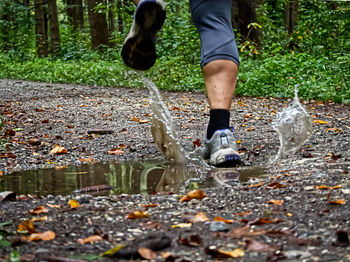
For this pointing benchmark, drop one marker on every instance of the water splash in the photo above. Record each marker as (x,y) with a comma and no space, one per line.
(293,126)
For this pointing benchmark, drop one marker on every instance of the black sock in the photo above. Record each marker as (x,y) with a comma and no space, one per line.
(219,119)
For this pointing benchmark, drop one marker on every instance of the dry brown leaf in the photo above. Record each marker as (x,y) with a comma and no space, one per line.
(337,202)
(262,221)
(38,210)
(35,219)
(199,217)
(90,239)
(137,214)
(57,149)
(136,119)
(218,218)
(73,203)
(258,246)
(147,253)
(275,185)
(195,194)
(218,253)
(277,202)
(26,226)
(241,232)
(115,151)
(45,236)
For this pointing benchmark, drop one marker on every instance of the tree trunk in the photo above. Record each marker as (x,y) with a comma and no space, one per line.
(111,19)
(119,16)
(54,28)
(78,14)
(41,40)
(70,16)
(243,14)
(98,25)
(290,15)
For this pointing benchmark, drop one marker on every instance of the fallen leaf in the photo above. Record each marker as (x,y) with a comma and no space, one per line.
(329,187)
(112,251)
(217,253)
(137,214)
(241,232)
(199,217)
(218,218)
(276,202)
(60,167)
(36,219)
(115,151)
(38,210)
(275,185)
(197,142)
(90,239)
(289,214)
(193,240)
(53,206)
(73,203)
(337,202)
(320,122)
(1,173)
(26,226)
(45,236)
(238,142)
(258,246)
(256,185)
(195,194)
(244,213)
(57,149)
(182,225)
(146,206)
(147,253)
(262,221)
(136,119)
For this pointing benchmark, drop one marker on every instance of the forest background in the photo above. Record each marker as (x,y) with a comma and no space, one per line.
(282,43)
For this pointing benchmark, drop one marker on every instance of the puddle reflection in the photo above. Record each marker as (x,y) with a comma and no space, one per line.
(123,177)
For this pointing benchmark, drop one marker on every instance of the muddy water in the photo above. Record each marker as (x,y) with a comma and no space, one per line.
(123,177)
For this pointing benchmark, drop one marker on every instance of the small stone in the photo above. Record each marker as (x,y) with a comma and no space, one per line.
(297,254)
(218,226)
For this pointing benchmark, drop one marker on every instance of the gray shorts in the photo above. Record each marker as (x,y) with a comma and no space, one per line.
(213,21)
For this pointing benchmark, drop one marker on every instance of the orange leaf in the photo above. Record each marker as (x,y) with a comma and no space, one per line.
(57,149)
(244,213)
(256,185)
(199,217)
(115,151)
(275,185)
(26,225)
(149,205)
(229,221)
(197,142)
(45,236)
(1,173)
(262,221)
(137,214)
(197,194)
(134,118)
(73,203)
(147,253)
(337,202)
(90,239)
(38,210)
(275,202)
(329,187)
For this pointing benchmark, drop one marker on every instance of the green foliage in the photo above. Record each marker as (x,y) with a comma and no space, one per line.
(315,57)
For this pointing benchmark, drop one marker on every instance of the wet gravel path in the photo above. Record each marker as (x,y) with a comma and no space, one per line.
(311,224)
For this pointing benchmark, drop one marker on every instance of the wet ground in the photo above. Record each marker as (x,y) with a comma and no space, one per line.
(299,210)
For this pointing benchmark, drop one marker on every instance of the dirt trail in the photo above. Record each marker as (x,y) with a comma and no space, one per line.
(37,116)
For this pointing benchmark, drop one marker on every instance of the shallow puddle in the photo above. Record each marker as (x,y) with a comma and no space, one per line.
(123,177)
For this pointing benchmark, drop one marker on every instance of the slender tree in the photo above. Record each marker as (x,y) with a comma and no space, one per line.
(243,14)
(290,15)
(40,32)
(111,18)
(98,24)
(54,27)
(75,14)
